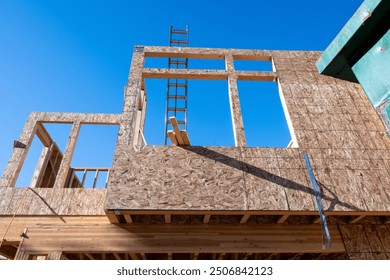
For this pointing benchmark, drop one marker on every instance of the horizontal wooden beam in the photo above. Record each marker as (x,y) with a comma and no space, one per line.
(18,224)
(192,74)
(164,73)
(256,76)
(83,118)
(168,238)
(206,53)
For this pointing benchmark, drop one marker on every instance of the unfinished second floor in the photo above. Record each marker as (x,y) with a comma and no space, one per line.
(328,119)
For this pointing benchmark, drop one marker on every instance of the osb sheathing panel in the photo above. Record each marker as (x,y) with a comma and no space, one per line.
(209,178)
(52,201)
(176,178)
(366,241)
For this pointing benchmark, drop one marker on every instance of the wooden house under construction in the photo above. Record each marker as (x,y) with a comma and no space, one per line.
(196,202)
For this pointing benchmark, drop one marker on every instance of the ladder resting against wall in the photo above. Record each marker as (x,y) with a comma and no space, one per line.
(177,89)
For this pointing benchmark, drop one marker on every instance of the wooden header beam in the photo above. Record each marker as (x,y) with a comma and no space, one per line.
(170,238)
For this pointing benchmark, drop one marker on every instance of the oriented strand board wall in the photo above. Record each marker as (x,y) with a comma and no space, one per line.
(44,201)
(333,121)
(366,241)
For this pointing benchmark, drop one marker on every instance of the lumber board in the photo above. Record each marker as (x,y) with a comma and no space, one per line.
(43,135)
(186,139)
(180,238)
(172,136)
(177,131)
(163,73)
(206,53)
(17,224)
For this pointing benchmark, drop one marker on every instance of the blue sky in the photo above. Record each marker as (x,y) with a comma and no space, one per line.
(74,56)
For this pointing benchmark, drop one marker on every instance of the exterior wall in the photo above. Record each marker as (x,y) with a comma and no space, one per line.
(366,241)
(214,189)
(332,120)
(56,198)
(58,202)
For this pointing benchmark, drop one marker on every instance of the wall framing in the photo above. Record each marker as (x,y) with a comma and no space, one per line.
(198,189)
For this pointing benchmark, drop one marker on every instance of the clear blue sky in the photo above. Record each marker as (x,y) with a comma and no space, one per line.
(74,56)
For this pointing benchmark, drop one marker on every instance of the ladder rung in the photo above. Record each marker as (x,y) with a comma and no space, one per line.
(182,42)
(181,97)
(178,59)
(183,63)
(178,63)
(177,109)
(179,122)
(175,85)
(178,31)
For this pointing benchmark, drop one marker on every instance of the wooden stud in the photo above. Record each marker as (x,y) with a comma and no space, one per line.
(221,256)
(40,168)
(18,156)
(271,256)
(176,129)
(170,256)
(113,218)
(195,256)
(206,219)
(317,220)
(247,255)
(167,218)
(185,137)
(67,157)
(235,107)
(357,219)
(43,135)
(143,256)
(116,255)
(128,219)
(134,256)
(296,256)
(244,218)
(282,219)
(173,138)
(89,256)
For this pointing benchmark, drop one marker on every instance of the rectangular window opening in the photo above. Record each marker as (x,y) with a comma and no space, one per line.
(182,63)
(252,65)
(43,160)
(30,164)
(209,116)
(208,120)
(93,156)
(264,118)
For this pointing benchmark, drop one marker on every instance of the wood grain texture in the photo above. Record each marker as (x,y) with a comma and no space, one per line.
(179,238)
(46,201)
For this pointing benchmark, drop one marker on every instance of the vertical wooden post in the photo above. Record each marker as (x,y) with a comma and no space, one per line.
(68,154)
(127,132)
(235,108)
(54,256)
(18,156)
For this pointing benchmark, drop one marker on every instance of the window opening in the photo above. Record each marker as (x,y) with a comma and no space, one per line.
(263,115)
